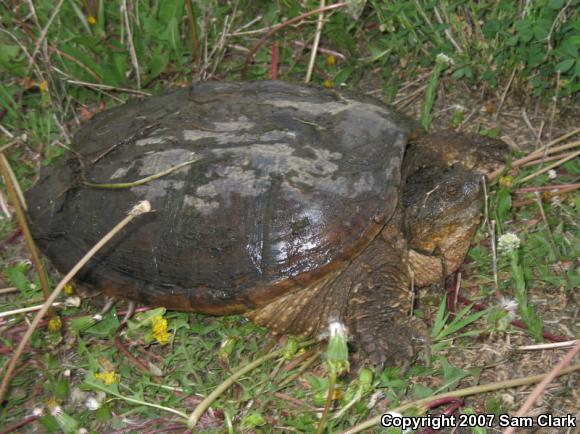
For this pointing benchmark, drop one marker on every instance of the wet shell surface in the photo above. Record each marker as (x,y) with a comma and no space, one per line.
(258,189)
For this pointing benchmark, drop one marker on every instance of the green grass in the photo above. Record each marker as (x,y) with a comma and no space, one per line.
(87,62)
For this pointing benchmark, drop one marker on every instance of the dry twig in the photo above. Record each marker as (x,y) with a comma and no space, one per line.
(540,388)
(132,51)
(316,43)
(17,203)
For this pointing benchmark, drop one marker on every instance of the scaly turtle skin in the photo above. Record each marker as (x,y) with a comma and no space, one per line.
(288,210)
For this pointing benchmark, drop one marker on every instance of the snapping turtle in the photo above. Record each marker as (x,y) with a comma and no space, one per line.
(290,204)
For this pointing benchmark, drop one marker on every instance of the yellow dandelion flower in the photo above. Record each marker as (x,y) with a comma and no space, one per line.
(328,83)
(506,181)
(52,403)
(91,20)
(108,377)
(330,60)
(159,329)
(68,290)
(55,324)
(43,86)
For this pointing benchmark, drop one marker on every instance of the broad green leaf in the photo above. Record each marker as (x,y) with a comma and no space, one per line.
(564,65)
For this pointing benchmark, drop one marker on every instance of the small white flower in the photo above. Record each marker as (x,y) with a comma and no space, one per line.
(508,243)
(72,301)
(37,411)
(552,174)
(66,373)
(56,410)
(93,404)
(444,58)
(508,304)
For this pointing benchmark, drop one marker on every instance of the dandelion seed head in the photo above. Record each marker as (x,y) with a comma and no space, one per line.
(92,404)
(336,328)
(508,242)
(37,411)
(444,58)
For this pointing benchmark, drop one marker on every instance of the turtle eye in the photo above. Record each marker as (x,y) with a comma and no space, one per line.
(451,191)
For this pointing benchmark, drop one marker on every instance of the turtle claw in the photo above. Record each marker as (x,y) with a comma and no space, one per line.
(395,344)
(109,303)
(131,306)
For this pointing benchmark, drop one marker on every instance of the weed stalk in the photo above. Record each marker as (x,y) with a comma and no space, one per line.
(18,206)
(441,65)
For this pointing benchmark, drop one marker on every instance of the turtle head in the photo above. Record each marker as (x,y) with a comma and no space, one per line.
(442,210)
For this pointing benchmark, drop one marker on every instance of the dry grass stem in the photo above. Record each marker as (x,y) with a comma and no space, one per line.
(240,30)
(447,30)
(543,160)
(563,137)
(504,94)
(193,28)
(44,31)
(334,53)
(73,59)
(11,143)
(551,166)
(551,346)
(142,181)
(303,368)
(540,388)
(18,204)
(132,52)
(8,313)
(552,150)
(408,99)
(9,175)
(140,208)
(316,43)
(107,87)
(8,290)
(4,206)
(494,257)
(550,188)
(535,155)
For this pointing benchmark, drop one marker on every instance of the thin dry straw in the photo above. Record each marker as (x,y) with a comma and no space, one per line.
(17,202)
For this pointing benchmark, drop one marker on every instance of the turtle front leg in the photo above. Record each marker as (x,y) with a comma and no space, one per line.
(371,295)
(379,311)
